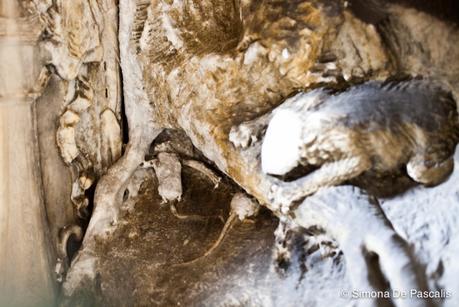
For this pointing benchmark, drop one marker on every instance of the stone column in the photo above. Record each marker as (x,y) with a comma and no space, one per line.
(26,277)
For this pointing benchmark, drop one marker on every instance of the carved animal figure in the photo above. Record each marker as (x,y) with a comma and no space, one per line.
(206,66)
(376,126)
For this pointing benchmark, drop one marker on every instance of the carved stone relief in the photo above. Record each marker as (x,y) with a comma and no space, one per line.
(326,114)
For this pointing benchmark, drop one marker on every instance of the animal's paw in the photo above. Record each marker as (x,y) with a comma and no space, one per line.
(281,197)
(322,243)
(242,136)
(244,206)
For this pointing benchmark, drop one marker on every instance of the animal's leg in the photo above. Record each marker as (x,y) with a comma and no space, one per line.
(430,172)
(107,202)
(330,174)
(249,132)
(326,246)
(282,245)
(360,228)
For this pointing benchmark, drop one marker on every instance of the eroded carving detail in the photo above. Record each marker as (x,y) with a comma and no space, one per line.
(89,132)
(276,50)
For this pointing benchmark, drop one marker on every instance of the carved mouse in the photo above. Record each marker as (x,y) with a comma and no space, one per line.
(376,126)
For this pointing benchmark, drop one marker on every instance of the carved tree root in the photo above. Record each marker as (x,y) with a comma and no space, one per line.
(361,229)
(108,200)
(111,187)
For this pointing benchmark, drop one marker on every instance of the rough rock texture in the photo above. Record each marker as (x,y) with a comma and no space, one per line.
(427,218)
(206,86)
(156,254)
(154,248)
(213,70)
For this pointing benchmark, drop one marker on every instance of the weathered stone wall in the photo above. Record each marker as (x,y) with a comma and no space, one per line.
(61,130)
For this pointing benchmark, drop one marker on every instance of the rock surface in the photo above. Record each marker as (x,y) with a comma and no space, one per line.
(206,78)
(46,48)
(100,73)
(153,248)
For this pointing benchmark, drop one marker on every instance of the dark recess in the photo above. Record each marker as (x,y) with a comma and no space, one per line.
(373,11)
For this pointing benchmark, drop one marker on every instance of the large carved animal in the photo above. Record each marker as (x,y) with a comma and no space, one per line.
(376,126)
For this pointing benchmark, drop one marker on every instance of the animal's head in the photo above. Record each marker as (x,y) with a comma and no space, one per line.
(293,126)
(280,152)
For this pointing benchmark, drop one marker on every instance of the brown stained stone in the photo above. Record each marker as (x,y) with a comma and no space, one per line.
(148,264)
(153,257)
(153,245)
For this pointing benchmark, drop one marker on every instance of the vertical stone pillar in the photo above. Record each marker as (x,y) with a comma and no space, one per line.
(26,275)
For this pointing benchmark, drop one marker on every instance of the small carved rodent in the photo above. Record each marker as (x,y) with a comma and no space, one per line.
(376,126)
